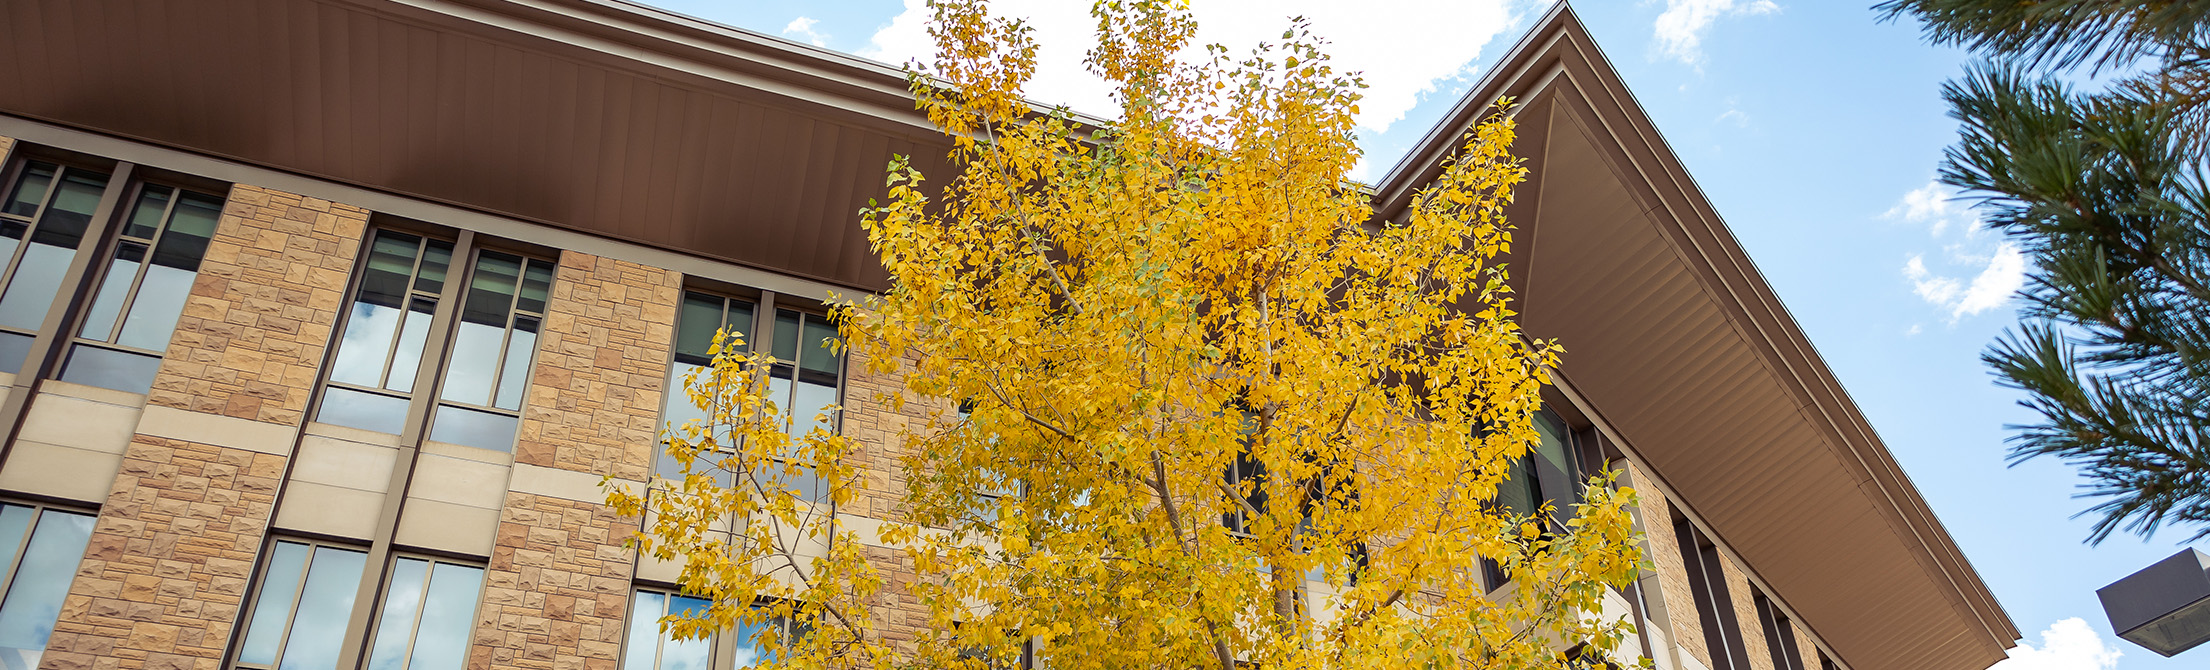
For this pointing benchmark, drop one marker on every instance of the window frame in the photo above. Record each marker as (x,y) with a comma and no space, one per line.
(241,628)
(10,180)
(414,628)
(14,565)
(465,278)
(71,337)
(671,390)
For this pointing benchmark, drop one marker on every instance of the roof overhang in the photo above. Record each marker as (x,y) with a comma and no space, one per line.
(598,116)
(1679,345)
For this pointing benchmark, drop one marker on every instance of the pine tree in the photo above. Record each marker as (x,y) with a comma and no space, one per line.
(2107,190)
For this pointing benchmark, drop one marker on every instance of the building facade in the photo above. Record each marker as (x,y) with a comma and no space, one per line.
(321,320)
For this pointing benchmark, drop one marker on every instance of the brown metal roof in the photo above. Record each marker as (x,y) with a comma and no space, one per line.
(602,117)
(631,123)
(1682,348)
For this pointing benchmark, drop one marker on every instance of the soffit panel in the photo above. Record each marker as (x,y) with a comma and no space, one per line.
(1667,366)
(448,110)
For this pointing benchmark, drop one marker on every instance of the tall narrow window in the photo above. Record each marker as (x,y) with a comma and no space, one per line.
(1780,635)
(804,380)
(386,327)
(701,316)
(42,221)
(428,611)
(149,272)
(1714,607)
(1247,477)
(648,648)
(299,612)
(42,547)
(480,401)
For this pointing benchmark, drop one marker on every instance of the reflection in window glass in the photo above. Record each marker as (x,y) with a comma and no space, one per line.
(42,221)
(387,327)
(300,613)
(651,649)
(488,368)
(141,293)
(701,316)
(36,277)
(44,547)
(427,615)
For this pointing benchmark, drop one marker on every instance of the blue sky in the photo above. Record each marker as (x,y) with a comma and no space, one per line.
(1816,131)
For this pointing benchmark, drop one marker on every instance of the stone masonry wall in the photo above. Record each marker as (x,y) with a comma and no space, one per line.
(166,569)
(252,336)
(557,586)
(594,404)
(1744,597)
(6,143)
(1665,556)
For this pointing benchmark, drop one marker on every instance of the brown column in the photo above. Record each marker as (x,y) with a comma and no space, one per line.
(168,562)
(557,587)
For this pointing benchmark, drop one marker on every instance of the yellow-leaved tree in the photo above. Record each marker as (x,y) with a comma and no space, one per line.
(1197,408)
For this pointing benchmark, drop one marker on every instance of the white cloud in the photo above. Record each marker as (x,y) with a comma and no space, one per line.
(1735,116)
(2001,274)
(2067,645)
(1680,28)
(1933,203)
(802,28)
(1401,60)
(1914,330)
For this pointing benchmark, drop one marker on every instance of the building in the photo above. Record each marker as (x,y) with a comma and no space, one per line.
(247,239)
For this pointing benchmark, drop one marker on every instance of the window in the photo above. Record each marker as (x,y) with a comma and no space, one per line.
(42,222)
(1247,477)
(650,649)
(700,318)
(149,272)
(807,370)
(1549,473)
(428,611)
(42,547)
(1780,635)
(300,610)
(1714,607)
(386,327)
(480,402)
(388,336)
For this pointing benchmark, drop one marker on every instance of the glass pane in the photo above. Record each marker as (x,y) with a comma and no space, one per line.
(641,649)
(31,189)
(808,401)
(401,601)
(491,289)
(153,314)
(434,262)
(15,521)
(686,654)
(814,343)
(13,349)
(64,221)
(474,428)
(695,326)
(786,336)
(366,343)
(37,280)
(99,321)
(318,627)
(390,268)
(106,368)
(536,285)
(145,217)
(475,359)
(408,361)
(521,344)
(441,642)
(41,582)
(273,603)
(749,650)
(190,228)
(366,411)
